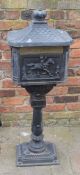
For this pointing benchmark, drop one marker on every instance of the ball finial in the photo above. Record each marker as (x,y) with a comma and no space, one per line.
(39,15)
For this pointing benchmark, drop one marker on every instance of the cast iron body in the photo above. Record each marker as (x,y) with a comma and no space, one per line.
(39,59)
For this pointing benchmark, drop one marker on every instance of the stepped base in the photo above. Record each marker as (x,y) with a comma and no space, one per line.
(27,158)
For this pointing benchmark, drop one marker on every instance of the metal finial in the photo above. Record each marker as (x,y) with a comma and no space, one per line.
(39,15)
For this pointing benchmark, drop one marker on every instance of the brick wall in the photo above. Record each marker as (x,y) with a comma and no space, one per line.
(63,100)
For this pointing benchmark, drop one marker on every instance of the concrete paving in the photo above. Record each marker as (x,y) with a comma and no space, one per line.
(66,139)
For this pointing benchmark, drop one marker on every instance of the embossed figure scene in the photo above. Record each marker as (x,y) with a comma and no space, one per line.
(43,67)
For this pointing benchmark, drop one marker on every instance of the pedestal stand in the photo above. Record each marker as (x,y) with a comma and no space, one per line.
(37,152)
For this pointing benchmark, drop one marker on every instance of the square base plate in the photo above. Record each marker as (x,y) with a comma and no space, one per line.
(27,158)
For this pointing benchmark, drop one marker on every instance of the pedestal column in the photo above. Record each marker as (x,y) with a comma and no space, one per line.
(37,144)
(37,151)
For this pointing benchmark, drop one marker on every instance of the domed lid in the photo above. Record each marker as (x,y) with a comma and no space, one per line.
(38,33)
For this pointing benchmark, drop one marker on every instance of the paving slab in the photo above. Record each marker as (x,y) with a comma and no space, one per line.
(66,139)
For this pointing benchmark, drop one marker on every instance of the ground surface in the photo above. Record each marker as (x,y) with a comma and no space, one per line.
(66,139)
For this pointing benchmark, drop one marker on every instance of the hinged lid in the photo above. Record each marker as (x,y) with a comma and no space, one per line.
(38,33)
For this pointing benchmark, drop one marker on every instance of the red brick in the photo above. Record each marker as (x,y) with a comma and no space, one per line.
(73,14)
(71,72)
(7,83)
(4,46)
(55,14)
(5,74)
(21,92)
(6,109)
(72,81)
(55,107)
(2,14)
(75,53)
(7,25)
(72,24)
(0,55)
(5,65)
(68,24)
(78,72)
(49,100)
(13,101)
(23,109)
(74,90)
(7,55)
(74,62)
(75,33)
(4,35)
(0,36)
(0,101)
(51,24)
(76,44)
(61,90)
(66,99)
(12,14)
(10,25)
(60,24)
(20,25)
(73,106)
(7,93)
